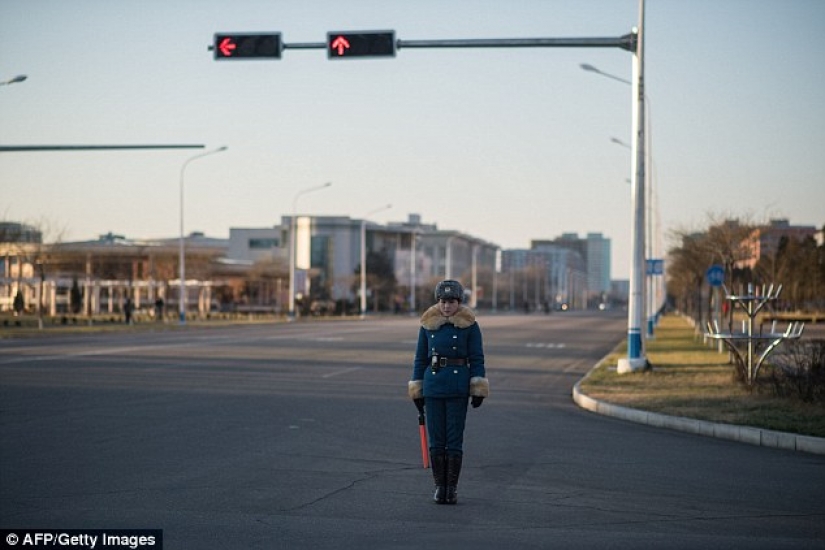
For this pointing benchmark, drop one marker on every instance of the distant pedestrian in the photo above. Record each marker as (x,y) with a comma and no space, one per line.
(448,372)
(127,310)
(159,309)
(19,303)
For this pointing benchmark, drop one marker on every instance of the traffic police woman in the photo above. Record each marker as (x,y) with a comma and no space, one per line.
(448,372)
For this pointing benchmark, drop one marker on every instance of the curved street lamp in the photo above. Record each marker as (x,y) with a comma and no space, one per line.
(182,260)
(652,299)
(15,80)
(620,142)
(592,69)
(291,313)
(364,257)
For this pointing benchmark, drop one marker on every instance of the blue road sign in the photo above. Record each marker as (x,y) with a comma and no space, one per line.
(715,275)
(655,267)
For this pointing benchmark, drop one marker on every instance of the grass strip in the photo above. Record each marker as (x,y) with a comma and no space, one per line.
(692,380)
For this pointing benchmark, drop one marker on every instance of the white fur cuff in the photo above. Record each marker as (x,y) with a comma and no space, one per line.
(414,389)
(479,387)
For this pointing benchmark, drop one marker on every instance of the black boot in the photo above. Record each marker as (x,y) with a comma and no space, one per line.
(453,471)
(438,460)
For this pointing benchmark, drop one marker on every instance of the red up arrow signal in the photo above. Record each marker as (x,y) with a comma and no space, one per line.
(226,46)
(340,44)
(348,45)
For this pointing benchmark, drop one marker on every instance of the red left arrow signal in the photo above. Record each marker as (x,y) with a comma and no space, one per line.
(340,44)
(247,45)
(226,47)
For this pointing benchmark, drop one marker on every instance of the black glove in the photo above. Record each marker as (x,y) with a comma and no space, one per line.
(419,404)
(476,401)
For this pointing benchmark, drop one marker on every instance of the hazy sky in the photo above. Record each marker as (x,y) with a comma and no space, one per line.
(507,145)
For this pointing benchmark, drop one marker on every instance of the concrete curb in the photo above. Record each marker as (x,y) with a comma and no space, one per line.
(742,434)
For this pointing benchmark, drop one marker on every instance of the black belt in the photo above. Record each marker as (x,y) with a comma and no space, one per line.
(440,362)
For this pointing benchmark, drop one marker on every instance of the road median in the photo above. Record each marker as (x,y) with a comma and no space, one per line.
(691,387)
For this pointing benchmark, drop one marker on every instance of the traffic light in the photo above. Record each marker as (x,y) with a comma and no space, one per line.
(247,46)
(341,45)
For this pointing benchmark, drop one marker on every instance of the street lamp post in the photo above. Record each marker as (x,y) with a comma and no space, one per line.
(364,258)
(448,257)
(635,359)
(182,259)
(474,277)
(652,251)
(496,269)
(292,244)
(413,239)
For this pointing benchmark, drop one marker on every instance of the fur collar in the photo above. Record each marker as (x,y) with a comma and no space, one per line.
(433,320)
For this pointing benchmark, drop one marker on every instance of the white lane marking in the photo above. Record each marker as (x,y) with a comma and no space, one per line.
(544,345)
(106,351)
(341,371)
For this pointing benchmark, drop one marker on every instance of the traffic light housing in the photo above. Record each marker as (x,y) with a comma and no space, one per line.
(345,44)
(247,46)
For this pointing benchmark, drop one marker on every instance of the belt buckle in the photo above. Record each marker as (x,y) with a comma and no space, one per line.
(442,362)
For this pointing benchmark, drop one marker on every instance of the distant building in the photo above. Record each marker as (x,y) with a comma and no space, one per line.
(20,247)
(256,244)
(107,271)
(250,270)
(594,249)
(765,240)
(598,263)
(12,232)
(545,276)
(328,257)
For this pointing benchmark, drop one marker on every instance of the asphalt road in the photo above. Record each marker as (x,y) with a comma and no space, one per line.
(302,436)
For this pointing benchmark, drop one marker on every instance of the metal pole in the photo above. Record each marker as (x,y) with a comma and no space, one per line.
(41,148)
(650,301)
(625,42)
(182,253)
(635,359)
(448,258)
(474,300)
(363,292)
(495,282)
(292,244)
(291,310)
(414,238)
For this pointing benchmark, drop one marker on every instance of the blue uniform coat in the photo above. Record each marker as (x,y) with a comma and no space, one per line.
(453,337)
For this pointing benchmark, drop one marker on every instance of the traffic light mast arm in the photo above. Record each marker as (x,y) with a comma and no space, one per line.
(626,42)
(306,46)
(22,148)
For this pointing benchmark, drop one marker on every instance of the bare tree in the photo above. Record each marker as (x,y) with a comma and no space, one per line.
(799,265)
(726,241)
